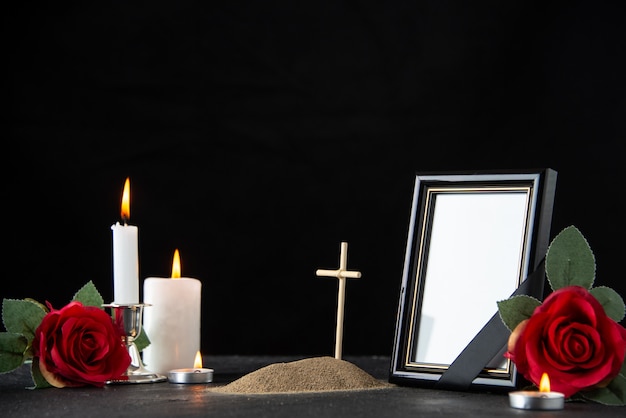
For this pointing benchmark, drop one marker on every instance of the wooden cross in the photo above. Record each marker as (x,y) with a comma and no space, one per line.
(341,274)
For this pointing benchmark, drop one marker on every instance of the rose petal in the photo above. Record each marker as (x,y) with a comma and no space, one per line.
(50,377)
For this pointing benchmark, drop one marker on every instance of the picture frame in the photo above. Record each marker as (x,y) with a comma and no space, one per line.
(474,238)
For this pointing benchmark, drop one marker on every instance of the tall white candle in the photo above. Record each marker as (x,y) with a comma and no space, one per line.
(125,255)
(172,321)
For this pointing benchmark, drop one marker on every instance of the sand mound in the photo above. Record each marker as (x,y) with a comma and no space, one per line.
(317,374)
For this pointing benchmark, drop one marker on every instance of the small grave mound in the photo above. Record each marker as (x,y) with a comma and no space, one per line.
(317,374)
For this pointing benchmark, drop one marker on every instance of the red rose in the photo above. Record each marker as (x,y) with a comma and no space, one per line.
(571,338)
(78,345)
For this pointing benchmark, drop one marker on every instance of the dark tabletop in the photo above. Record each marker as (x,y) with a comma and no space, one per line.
(167,399)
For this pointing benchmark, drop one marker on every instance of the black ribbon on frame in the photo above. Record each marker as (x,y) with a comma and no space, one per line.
(488,342)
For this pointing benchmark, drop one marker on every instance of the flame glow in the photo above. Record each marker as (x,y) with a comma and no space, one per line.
(126,201)
(197,363)
(544,384)
(176,265)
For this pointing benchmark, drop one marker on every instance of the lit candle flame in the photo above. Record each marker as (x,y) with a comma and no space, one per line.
(126,201)
(544,384)
(176,265)
(197,363)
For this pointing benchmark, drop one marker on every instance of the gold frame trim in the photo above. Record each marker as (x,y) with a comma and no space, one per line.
(428,205)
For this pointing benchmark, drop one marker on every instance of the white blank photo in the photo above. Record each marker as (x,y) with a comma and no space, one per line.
(475,254)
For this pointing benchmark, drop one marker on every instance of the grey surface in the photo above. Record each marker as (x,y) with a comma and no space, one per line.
(167,400)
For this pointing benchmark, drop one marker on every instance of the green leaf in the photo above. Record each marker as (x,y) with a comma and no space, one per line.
(38,379)
(614,394)
(516,309)
(12,347)
(142,340)
(22,317)
(88,295)
(570,261)
(41,305)
(611,301)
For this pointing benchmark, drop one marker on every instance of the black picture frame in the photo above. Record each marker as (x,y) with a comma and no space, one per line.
(474,238)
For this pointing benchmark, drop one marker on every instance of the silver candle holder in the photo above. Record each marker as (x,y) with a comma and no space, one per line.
(128,317)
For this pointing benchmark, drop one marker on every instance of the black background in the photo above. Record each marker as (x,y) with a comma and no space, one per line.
(259,135)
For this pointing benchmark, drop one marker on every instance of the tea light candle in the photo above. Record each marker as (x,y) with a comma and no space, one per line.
(125,255)
(543,399)
(173,321)
(197,374)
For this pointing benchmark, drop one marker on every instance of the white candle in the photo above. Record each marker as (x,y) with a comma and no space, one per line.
(172,322)
(125,255)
